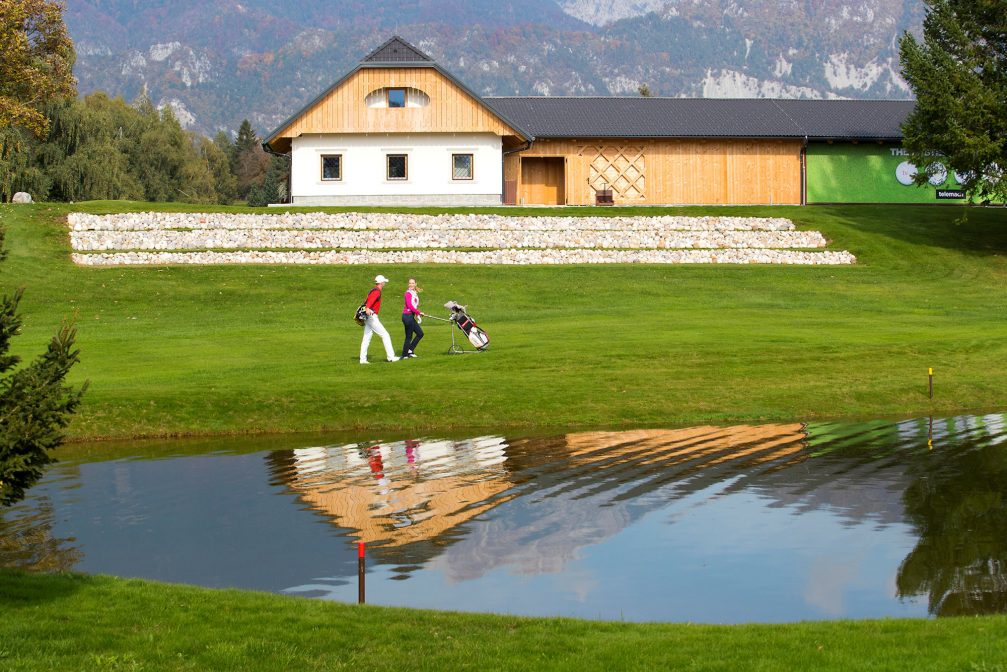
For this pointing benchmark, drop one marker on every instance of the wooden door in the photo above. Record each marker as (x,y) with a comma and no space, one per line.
(542,181)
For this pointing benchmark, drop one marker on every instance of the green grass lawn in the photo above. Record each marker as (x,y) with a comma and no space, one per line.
(64,622)
(185,350)
(227,349)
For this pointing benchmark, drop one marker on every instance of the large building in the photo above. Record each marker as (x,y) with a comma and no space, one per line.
(401,130)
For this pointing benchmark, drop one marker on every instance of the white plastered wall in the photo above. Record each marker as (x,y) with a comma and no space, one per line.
(429,181)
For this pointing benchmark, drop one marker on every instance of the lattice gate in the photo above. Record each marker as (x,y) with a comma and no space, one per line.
(621,169)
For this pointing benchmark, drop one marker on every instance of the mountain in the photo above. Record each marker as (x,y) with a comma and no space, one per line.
(217,62)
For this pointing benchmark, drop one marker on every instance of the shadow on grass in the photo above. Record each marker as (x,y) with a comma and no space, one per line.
(19,588)
(975,231)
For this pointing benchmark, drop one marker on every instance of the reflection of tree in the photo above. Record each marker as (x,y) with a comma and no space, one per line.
(958,507)
(27,543)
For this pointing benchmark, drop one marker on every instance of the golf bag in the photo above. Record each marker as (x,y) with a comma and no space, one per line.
(479,339)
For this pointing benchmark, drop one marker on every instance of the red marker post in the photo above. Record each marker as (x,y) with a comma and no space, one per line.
(360,572)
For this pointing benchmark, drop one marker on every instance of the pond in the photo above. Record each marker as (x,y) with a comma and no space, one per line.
(769,523)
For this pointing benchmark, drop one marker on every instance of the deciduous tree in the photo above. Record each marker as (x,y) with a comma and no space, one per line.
(36,67)
(958,73)
(36,62)
(214,153)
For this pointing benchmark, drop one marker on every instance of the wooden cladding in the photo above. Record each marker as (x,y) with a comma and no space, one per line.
(343,110)
(619,168)
(542,181)
(665,171)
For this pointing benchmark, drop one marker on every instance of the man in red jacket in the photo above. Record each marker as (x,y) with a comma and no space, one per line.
(373,325)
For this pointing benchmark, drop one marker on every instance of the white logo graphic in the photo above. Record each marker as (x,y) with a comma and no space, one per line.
(939,176)
(905,172)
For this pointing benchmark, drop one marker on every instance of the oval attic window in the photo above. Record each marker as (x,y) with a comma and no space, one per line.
(393,97)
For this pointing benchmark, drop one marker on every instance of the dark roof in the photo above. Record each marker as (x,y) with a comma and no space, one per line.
(639,117)
(397,50)
(849,119)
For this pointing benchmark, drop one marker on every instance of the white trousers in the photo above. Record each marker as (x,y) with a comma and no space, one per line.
(373,326)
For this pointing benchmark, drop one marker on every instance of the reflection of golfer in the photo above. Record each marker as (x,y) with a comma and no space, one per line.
(411,320)
(373,325)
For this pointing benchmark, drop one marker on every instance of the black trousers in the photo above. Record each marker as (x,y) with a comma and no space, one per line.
(413,333)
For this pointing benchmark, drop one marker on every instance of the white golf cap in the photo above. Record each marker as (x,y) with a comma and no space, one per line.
(380,279)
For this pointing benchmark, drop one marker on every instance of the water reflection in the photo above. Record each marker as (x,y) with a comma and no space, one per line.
(399,493)
(27,542)
(957,503)
(718,524)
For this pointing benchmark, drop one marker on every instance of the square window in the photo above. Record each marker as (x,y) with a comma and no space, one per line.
(396,97)
(332,167)
(397,167)
(461,166)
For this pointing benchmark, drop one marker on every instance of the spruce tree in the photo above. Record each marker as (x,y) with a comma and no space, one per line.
(958,74)
(245,141)
(35,404)
(270,190)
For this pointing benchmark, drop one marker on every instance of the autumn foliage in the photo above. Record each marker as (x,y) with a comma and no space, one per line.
(36,62)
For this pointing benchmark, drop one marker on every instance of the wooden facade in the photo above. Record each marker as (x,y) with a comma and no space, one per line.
(431,104)
(343,109)
(655,172)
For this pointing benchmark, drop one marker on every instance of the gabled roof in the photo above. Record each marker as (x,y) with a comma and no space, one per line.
(396,53)
(639,117)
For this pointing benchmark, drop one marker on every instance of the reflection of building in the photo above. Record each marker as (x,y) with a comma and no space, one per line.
(403,492)
(711,445)
(468,508)
(408,492)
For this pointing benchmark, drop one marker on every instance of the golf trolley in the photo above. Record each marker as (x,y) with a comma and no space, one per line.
(479,339)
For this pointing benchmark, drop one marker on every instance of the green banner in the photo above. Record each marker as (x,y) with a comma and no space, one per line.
(871,173)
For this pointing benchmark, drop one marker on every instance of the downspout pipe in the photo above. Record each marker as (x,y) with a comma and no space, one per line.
(526,145)
(804,171)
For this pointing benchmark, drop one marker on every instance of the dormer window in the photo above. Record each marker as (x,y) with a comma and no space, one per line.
(396,97)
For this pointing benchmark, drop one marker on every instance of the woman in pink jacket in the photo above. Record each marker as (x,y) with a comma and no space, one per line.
(411,319)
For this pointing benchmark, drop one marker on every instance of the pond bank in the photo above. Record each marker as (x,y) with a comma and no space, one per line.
(71,622)
(825,517)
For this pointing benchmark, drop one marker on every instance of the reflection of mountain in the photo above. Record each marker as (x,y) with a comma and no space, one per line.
(604,482)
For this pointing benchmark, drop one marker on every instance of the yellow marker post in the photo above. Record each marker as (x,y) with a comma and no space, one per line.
(930,374)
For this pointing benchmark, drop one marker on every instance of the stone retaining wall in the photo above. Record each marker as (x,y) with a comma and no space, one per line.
(383,238)
(142,221)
